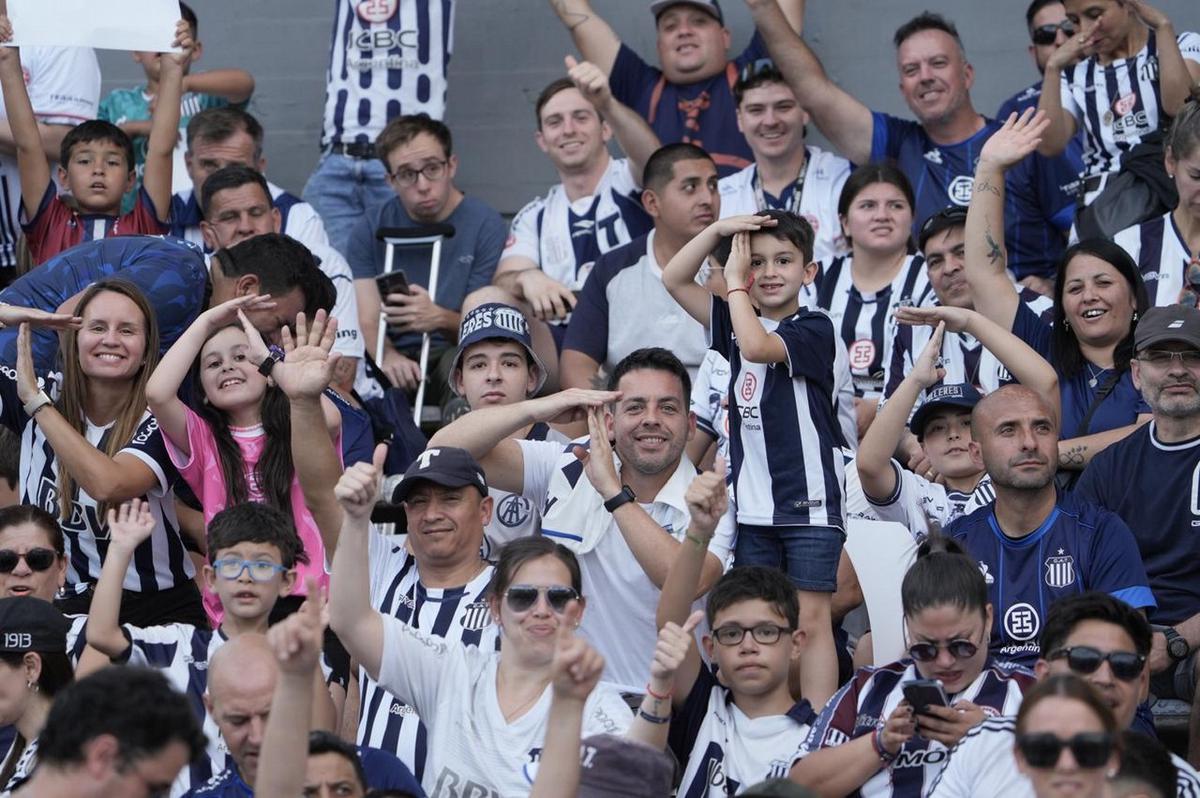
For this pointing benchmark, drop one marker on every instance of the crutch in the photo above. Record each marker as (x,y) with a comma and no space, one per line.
(430,235)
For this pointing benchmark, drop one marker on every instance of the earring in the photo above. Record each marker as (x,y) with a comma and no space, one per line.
(1066,324)
(31,685)
(1135,315)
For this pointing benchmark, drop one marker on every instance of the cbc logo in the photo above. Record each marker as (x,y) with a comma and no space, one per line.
(1021,622)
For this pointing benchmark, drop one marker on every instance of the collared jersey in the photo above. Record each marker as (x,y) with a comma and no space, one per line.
(1162,256)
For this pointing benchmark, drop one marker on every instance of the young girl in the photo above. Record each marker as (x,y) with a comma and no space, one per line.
(237,444)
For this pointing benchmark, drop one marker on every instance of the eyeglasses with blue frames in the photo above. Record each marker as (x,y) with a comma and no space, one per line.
(260,570)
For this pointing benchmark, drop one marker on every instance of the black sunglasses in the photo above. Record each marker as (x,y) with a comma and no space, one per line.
(37,559)
(1046,34)
(1090,749)
(927,652)
(521,597)
(1125,665)
(756,68)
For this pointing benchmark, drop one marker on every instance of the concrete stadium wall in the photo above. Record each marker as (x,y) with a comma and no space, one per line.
(505,51)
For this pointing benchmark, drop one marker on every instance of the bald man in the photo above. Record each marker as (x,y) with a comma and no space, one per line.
(241,680)
(1034,544)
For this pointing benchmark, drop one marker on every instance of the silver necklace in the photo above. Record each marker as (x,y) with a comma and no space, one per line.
(1095,375)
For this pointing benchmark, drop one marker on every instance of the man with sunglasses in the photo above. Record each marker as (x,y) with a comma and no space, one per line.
(689,99)
(1151,479)
(1094,636)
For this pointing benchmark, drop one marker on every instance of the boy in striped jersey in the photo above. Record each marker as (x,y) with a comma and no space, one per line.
(785,439)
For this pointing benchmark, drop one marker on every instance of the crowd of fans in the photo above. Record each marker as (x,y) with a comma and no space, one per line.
(677,408)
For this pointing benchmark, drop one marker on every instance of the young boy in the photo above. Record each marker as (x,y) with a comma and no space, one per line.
(252,554)
(785,440)
(745,728)
(95,164)
(130,109)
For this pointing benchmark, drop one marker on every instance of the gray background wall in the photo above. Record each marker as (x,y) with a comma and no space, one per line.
(506,50)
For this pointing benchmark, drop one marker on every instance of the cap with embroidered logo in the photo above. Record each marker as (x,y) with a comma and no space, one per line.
(443,465)
(1168,323)
(31,624)
(496,321)
(956,394)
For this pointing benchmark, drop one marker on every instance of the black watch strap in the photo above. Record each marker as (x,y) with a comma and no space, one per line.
(274,355)
(1177,645)
(624,497)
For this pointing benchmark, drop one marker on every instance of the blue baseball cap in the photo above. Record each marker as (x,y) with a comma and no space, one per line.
(956,394)
(492,321)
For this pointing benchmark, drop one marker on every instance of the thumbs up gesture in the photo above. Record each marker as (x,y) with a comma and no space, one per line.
(591,82)
(577,666)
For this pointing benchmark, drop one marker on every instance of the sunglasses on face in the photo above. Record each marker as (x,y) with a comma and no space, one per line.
(522,597)
(1090,749)
(1046,34)
(959,648)
(765,634)
(1125,665)
(36,559)
(260,570)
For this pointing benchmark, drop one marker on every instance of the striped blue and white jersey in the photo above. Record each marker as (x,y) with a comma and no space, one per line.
(871,697)
(158,563)
(459,615)
(918,503)
(982,765)
(1162,256)
(386,58)
(785,441)
(865,321)
(1117,105)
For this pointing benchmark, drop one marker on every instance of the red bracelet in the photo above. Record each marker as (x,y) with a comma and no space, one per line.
(655,695)
(734,291)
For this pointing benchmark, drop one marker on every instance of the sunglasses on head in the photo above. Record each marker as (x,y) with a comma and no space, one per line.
(959,648)
(522,597)
(1046,34)
(756,68)
(1125,665)
(1042,750)
(37,559)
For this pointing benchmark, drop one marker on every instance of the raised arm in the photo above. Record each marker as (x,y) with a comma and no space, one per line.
(874,460)
(32,165)
(636,138)
(845,121)
(1175,74)
(164,122)
(234,85)
(753,341)
(1061,123)
(679,275)
(162,389)
(675,646)
(128,526)
(985,260)
(356,622)
(596,41)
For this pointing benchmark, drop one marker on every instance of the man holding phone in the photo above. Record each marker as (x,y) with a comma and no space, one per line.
(417,152)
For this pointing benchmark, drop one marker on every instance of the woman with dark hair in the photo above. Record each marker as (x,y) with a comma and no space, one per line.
(861,289)
(88,442)
(33,667)
(32,558)
(1167,248)
(1098,297)
(870,727)
(1068,743)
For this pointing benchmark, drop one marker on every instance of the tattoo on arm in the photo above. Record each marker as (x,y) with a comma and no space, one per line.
(984,185)
(995,254)
(571,19)
(1072,457)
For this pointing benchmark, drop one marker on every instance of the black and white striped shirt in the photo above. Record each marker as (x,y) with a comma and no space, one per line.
(1117,105)
(456,614)
(1162,256)
(159,563)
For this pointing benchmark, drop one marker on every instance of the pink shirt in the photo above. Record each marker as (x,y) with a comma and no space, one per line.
(202,472)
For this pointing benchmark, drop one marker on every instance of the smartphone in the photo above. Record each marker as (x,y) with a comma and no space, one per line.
(923,693)
(393,283)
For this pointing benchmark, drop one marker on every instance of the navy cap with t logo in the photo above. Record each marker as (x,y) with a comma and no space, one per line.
(442,465)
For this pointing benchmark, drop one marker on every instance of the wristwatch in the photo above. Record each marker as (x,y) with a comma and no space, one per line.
(1177,645)
(274,355)
(624,497)
(36,403)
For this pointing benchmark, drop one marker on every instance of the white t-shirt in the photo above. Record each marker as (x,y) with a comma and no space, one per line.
(514,516)
(917,503)
(823,184)
(473,750)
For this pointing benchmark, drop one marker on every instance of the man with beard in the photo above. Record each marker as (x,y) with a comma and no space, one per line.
(625,519)
(1034,545)
(1151,480)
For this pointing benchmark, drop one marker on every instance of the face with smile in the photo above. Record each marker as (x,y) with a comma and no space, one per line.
(242,597)
(752,668)
(495,372)
(445,525)
(943,624)
(236,214)
(771,120)
(1121,696)
(1097,301)
(688,203)
(230,381)
(1064,718)
(23,580)
(112,340)
(878,219)
(779,271)
(424,200)
(935,78)
(206,157)
(692,44)
(571,132)
(97,175)
(944,261)
(532,632)
(946,441)
(650,423)
(1016,438)
(1171,389)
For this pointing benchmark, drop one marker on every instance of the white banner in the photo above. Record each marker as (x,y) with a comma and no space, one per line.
(107,24)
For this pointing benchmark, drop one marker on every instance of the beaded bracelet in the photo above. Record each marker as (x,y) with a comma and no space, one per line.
(885,756)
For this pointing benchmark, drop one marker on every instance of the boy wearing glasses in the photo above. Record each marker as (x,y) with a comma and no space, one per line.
(421,166)
(1095,636)
(252,553)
